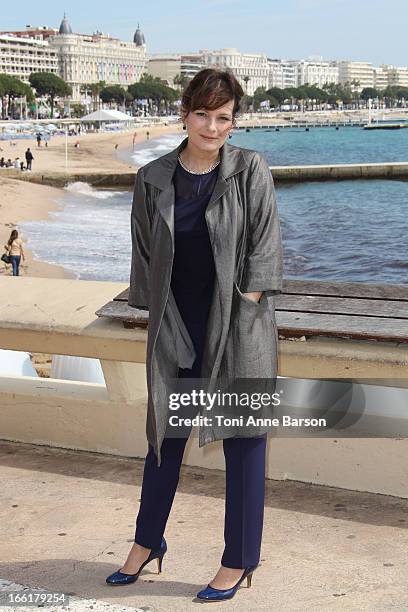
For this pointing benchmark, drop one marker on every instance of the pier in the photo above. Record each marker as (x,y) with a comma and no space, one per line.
(386,126)
(294,174)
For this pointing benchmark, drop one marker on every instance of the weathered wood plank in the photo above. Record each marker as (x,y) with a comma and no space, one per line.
(337,289)
(340,289)
(394,309)
(342,326)
(121,311)
(318,308)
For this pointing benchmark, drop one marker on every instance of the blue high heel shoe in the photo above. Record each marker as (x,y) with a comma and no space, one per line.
(119,578)
(211,594)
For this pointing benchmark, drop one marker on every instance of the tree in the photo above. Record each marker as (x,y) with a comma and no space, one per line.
(277,93)
(246,103)
(95,90)
(78,110)
(181,80)
(154,91)
(50,85)
(369,92)
(113,93)
(10,89)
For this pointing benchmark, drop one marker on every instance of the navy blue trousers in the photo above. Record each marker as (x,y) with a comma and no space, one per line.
(244,499)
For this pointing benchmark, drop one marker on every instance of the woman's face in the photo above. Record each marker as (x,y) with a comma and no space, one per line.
(208,129)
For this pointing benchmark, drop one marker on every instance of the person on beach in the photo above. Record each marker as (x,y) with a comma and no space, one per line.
(206,263)
(14,247)
(38,140)
(29,158)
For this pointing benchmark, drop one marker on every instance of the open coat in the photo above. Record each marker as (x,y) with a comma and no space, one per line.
(241,338)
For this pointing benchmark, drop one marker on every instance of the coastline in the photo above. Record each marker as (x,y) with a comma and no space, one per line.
(27,202)
(22,201)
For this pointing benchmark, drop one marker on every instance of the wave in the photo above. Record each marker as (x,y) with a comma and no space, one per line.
(151,150)
(79,188)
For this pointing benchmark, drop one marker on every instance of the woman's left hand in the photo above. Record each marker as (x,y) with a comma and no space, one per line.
(255,296)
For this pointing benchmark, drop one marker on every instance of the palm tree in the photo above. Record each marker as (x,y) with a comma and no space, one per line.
(356,91)
(181,81)
(94,89)
(246,79)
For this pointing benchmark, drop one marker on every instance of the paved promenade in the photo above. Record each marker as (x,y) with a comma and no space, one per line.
(67,521)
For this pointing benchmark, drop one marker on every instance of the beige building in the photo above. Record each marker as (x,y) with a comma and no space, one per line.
(98,57)
(251,69)
(363,72)
(381,77)
(20,56)
(164,66)
(191,63)
(398,77)
(167,66)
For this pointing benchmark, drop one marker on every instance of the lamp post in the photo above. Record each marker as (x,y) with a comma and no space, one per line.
(66,148)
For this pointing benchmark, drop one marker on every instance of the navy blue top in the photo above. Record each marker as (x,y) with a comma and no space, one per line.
(193,271)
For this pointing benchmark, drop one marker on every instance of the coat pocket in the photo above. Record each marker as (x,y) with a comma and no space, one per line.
(250,350)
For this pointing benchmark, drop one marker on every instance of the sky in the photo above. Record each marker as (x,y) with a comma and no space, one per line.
(369,30)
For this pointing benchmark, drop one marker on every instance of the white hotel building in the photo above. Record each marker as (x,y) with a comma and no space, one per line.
(77,58)
(294,73)
(316,72)
(98,57)
(19,56)
(251,69)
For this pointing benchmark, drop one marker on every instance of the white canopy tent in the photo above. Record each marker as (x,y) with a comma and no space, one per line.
(107,115)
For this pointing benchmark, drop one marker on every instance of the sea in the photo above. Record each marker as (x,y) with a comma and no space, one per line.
(335,230)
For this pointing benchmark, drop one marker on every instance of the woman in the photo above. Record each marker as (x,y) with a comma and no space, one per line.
(14,247)
(211,314)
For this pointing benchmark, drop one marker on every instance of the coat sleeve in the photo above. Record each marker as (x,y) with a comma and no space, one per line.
(139,291)
(263,264)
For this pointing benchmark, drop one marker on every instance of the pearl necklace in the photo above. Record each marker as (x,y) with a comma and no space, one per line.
(204,172)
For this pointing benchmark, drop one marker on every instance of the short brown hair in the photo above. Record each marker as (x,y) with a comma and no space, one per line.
(211,88)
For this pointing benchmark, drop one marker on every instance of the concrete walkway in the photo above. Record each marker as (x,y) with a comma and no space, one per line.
(67,521)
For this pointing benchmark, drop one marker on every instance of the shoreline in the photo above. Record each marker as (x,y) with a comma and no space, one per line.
(25,201)
(34,203)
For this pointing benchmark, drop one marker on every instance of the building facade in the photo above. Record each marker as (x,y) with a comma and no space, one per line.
(282,73)
(250,69)
(316,72)
(397,77)
(165,67)
(381,77)
(362,72)
(85,59)
(20,56)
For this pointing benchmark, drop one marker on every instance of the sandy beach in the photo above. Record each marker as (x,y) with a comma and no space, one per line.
(22,201)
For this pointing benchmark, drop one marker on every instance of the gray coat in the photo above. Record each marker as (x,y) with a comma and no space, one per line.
(241,336)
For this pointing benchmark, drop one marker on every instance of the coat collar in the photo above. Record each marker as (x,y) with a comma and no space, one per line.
(160,171)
